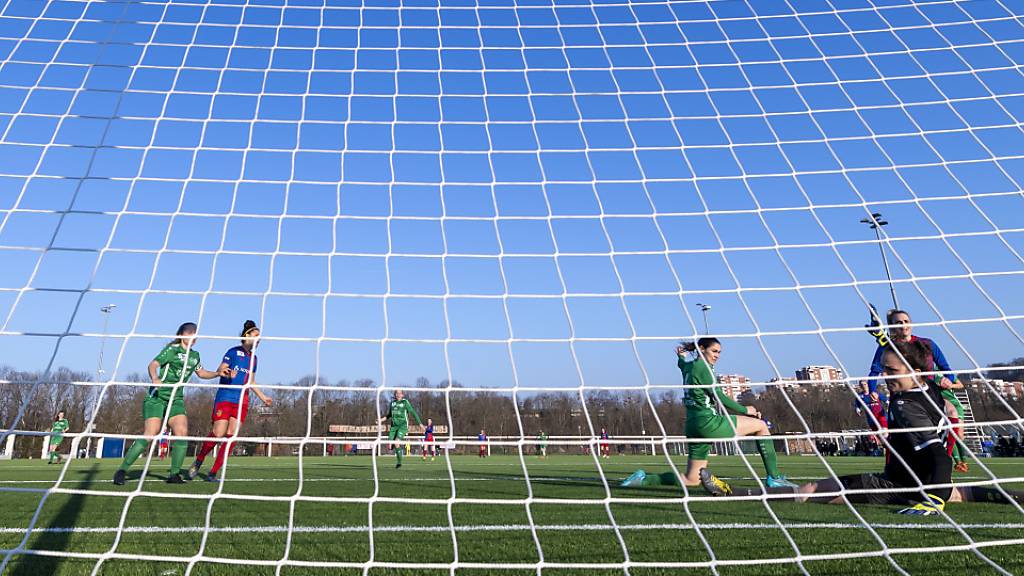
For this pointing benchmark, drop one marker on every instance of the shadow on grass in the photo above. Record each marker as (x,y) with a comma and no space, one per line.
(54,538)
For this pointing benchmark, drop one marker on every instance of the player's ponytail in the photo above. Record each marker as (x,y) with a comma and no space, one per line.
(248,328)
(186,328)
(702,343)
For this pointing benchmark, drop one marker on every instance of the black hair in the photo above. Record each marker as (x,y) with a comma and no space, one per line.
(248,327)
(56,416)
(701,343)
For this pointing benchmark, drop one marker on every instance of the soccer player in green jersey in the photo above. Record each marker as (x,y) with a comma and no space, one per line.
(60,426)
(171,368)
(399,412)
(542,444)
(697,361)
(956,433)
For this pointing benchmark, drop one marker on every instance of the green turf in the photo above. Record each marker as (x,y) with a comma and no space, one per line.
(329,529)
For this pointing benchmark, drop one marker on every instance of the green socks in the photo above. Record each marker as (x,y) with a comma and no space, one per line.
(399,450)
(957,456)
(136,450)
(178,449)
(663,479)
(766,448)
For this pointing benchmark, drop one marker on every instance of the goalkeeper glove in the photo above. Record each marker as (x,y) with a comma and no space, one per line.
(875,328)
(931,506)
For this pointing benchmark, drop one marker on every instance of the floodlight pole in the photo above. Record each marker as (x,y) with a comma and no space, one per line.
(106,309)
(643,429)
(875,222)
(704,308)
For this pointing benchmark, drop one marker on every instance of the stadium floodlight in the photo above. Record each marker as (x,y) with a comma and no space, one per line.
(106,310)
(704,308)
(875,222)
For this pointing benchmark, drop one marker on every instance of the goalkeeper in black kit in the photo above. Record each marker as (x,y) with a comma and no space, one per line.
(918,474)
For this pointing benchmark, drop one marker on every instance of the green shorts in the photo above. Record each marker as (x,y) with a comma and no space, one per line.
(398,432)
(55,441)
(952,399)
(709,426)
(155,408)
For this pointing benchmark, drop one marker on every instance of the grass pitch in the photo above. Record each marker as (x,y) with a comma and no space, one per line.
(427,514)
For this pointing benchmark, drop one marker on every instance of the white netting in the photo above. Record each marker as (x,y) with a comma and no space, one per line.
(525,202)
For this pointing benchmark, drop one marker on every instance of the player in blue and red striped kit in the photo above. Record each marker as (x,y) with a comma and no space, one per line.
(482,438)
(604,443)
(231,405)
(428,440)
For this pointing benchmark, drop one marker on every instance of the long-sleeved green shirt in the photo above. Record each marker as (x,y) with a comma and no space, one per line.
(700,401)
(398,412)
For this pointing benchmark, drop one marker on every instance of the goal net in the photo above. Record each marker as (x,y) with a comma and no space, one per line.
(512,212)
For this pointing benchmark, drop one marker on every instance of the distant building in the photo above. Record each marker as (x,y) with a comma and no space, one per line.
(734,385)
(1013,390)
(785,382)
(825,374)
(1008,390)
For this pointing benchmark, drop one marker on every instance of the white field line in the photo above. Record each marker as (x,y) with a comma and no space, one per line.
(404,479)
(500,528)
(495,461)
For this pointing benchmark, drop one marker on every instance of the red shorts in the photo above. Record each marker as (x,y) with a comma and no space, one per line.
(226,410)
(430,438)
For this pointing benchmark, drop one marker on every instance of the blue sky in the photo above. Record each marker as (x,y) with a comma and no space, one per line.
(534,194)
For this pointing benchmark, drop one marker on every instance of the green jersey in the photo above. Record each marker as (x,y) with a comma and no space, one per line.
(399,413)
(543,439)
(701,401)
(59,427)
(176,367)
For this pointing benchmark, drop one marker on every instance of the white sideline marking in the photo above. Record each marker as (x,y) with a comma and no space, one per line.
(105,480)
(497,528)
(445,480)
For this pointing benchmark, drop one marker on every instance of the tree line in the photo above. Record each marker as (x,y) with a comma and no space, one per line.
(305,408)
